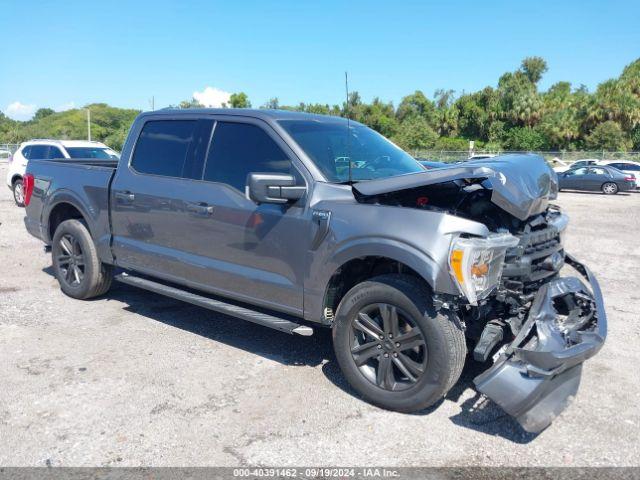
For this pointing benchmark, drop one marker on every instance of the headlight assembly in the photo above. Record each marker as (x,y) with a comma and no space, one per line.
(476,263)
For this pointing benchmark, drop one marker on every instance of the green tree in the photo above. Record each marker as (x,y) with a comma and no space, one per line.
(609,136)
(272,103)
(43,112)
(416,134)
(526,139)
(534,68)
(193,103)
(239,100)
(417,105)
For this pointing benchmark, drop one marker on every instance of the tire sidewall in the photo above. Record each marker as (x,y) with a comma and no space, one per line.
(433,382)
(15,184)
(91,270)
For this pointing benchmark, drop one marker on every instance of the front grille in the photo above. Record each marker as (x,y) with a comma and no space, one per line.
(538,256)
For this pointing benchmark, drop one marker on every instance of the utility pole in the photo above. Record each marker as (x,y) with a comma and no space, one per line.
(88,124)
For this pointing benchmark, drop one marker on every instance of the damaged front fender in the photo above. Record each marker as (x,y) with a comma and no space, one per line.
(536,376)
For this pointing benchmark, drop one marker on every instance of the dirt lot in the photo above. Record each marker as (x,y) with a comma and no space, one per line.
(137,379)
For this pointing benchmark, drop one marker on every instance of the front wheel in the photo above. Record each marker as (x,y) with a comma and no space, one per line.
(76,265)
(18,192)
(393,347)
(609,188)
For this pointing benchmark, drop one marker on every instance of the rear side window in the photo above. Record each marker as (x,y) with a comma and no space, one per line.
(26,152)
(240,148)
(39,152)
(163,146)
(54,152)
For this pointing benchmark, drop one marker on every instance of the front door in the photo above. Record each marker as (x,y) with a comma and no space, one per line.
(574,179)
(258,251)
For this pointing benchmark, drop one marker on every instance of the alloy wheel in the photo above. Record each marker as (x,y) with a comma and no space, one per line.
(70,260)
(388,347)
(18,193)
(609,188)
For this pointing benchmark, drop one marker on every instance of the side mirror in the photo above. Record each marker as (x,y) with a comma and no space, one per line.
(273,188)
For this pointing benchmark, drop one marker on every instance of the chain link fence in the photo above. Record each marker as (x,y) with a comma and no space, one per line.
(451,156)
(6,150)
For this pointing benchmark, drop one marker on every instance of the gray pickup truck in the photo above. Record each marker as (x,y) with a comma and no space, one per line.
(297,221)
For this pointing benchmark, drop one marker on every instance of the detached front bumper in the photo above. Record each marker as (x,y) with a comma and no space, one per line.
(537,375)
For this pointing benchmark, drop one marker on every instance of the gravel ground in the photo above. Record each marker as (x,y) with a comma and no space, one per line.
(135,379)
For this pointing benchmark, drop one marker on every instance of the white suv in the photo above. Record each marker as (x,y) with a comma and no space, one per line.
(631,168)
(50,149)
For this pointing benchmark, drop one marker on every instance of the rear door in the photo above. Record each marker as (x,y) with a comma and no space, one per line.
(156,199)
(596,177)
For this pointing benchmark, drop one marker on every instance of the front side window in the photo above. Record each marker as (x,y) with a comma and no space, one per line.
(578,171)
(163,146)
(238,149)
(54,152)
(353,152)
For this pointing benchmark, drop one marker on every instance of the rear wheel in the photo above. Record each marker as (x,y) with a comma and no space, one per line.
(393,347)
(18,192)
(609,188)
(75,260)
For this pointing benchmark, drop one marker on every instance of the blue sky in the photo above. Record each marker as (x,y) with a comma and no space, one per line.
(69,53)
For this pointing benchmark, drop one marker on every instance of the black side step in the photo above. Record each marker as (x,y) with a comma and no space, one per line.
(216,305)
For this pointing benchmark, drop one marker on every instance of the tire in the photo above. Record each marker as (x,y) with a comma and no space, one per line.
(18,192)
(441,358)
(609,188)
(75,261)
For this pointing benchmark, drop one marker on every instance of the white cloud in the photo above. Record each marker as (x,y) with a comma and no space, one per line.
(212,97)
(20,111)
(66,106)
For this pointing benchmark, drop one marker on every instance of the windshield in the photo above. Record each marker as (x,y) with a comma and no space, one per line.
(92,152)
(331,147)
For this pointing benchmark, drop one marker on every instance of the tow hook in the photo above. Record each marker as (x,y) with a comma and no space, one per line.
(492,334)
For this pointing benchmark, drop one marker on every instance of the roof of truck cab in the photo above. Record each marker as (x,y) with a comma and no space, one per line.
(264,114)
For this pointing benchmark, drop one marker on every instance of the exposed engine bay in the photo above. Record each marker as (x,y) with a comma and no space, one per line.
(532,327)
(466,198)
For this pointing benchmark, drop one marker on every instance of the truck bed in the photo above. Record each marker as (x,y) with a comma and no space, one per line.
(80,182)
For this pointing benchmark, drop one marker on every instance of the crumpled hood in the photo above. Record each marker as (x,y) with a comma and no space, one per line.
(522,185)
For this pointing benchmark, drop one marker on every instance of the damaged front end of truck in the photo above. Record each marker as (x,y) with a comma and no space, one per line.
(532,327)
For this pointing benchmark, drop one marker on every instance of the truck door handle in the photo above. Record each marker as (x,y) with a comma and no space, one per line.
(200,208)
(126,196)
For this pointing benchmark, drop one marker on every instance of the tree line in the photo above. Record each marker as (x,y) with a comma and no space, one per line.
(514,115)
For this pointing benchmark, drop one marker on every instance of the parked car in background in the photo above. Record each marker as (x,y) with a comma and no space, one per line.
(482,156)
(5,154)
(595,178)
(47,149)
(584,163)
(559,165)
(429,164)
(631,168)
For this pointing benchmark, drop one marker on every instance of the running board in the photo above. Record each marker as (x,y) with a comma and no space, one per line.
(260,318)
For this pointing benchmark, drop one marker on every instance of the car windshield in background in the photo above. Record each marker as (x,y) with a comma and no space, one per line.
(92,152)
(330,145)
